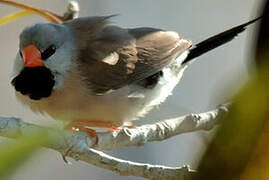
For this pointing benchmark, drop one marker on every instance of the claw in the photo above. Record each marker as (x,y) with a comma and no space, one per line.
(65,155)
(89,131)
(65,160)
(84,125)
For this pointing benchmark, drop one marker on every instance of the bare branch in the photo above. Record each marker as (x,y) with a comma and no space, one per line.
(72,11)
(128,168)
(78,144)
(161,130)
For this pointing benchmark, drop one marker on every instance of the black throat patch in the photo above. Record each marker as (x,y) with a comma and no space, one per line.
(35,82)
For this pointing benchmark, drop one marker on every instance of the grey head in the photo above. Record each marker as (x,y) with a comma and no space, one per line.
(44,36)
(55,43)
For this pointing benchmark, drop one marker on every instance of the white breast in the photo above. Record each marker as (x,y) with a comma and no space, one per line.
(73,101)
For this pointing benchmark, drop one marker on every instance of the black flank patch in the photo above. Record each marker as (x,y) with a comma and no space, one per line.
(151,81)
(35,82)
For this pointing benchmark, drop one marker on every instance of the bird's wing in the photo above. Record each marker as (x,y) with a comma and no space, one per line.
(111,57)
(155,50)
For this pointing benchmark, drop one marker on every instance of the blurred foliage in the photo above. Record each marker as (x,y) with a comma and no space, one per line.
(15,16)
(52,17)
(233,145)
(258,166)
(13,154)
(240,148)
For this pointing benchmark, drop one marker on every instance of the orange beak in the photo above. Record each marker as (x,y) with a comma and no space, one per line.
(32,57)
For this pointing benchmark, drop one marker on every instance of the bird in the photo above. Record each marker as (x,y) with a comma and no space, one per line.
(90,73)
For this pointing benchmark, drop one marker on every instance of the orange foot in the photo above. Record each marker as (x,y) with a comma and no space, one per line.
(117,128)
(85,126)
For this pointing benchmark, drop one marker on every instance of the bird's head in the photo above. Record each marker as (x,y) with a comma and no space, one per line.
(43,60)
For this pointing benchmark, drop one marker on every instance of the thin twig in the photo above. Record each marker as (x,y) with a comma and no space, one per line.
(72,11)
(48,15)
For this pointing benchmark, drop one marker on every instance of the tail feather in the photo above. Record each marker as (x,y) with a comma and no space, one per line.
(216,41)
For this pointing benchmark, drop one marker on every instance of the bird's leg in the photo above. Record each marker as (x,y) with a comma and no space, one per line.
(85,125)
(78,126)
(117,128)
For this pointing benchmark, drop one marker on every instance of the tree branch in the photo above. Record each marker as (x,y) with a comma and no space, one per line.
(78,144)
(162,130)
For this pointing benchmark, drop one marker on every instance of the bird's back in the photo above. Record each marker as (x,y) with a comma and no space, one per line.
(112,57)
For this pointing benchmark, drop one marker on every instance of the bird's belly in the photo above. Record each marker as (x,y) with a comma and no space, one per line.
(108,108)
(73,102)
(96,108)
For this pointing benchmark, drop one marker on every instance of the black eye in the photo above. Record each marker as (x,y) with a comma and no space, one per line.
(48,52)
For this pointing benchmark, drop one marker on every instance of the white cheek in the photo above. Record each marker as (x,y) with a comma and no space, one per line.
(60,64)
(17,66)
(60,61)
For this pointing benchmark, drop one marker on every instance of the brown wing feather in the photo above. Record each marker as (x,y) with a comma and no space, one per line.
(156,49)
(141,52)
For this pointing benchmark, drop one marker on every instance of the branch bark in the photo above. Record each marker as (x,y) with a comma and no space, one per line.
(159,131)
(79,145)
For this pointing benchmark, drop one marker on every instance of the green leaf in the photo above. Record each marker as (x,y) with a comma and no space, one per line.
(14,153)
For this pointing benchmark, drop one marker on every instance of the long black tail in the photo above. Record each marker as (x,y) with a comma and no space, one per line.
(216,41)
